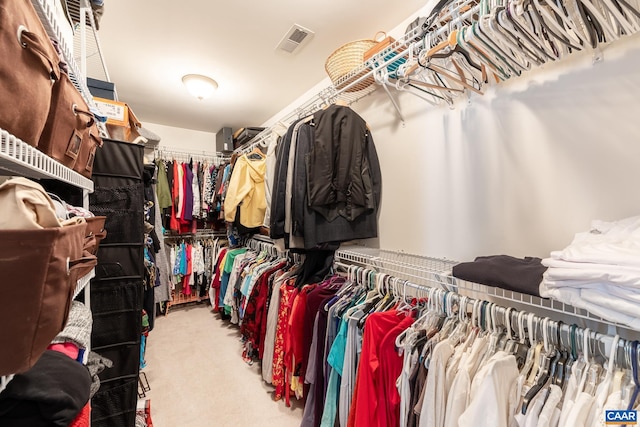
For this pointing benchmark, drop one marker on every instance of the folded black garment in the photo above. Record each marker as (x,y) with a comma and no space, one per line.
(504,271)
(51,393)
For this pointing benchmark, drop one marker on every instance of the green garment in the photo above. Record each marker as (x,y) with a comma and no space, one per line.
(162,188)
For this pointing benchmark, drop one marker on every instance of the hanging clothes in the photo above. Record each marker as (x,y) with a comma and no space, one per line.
(277,132)
(186,194)
(338,168)
(162,187)
(316,208)
(246,191)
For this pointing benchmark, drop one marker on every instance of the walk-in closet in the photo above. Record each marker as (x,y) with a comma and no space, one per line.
(360,214)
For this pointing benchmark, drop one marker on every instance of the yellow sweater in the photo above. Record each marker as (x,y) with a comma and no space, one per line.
(246,191)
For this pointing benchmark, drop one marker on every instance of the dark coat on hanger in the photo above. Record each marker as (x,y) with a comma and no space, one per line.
(314,227)
(338,169)
(276,226)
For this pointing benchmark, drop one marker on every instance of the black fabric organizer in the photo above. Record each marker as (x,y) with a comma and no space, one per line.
(117,289)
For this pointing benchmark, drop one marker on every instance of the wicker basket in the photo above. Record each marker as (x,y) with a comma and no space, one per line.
(345,60)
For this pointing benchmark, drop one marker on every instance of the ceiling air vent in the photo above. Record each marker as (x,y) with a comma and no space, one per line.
(296,37)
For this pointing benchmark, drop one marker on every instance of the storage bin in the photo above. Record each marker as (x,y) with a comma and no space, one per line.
(118,198)
(114,405)
(118,261)
(116,327)
(126,360)
(123,226)
(109,295)
(246,135)
(101,89)
(119,158)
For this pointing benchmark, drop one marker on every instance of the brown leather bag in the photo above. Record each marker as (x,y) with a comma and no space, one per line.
(67,125)
(41,260)
(95,233)
(39,270)
(28,68)
(91,141)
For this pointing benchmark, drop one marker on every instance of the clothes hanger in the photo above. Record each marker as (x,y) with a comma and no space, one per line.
(482,56)
(404,305)
(401,85)
(531,23)
(634,370)
(634,11)
(552,26)
(372,303)
(530,367)
(543,374)
(556,371)
(508,342)
(522,21)
(450,77)
(584,361)
(520,53)
(456,57)
(508,27)
(575,13)
(494,334)
(562,368)
(598,14)
(405,74)
(556,17)
(502,56)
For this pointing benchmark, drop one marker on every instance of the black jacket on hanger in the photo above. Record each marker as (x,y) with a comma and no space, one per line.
(276,225)
(338,170)
(318,230)
(353,165)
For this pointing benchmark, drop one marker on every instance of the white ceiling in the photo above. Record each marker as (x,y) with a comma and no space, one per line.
(150,44)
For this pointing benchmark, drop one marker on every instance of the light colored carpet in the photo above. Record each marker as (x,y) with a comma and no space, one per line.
(198,377)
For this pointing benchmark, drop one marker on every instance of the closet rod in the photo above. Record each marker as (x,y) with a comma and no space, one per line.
(330,94)
(177,152)
(197,235)
(437,272)
(516,317)
(257,140)
(459,20)
(262,238)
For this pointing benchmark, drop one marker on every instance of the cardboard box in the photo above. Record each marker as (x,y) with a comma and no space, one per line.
(122,123)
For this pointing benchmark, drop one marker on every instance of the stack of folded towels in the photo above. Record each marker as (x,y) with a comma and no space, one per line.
(599,272)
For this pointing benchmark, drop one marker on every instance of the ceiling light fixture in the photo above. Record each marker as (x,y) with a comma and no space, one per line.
(200,86)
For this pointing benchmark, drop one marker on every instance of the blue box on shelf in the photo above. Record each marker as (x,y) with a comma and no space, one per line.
(101,89)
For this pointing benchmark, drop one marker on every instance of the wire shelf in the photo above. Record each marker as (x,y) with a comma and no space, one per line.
(167,153)
(84,282)
(19,158)
(92,53)
(426,272)
(4,380)
(179,298)
(349,89)
(49,18)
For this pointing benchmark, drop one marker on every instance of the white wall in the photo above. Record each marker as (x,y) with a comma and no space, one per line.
(519,170)
(184,139)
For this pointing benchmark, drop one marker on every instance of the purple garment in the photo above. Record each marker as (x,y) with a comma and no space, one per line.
(188,193)
(316,301)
